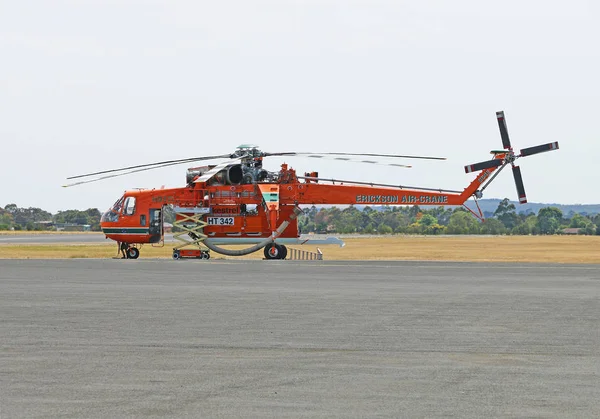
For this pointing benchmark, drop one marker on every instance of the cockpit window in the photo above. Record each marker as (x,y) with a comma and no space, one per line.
(110,216)
(118,205)
(129,208)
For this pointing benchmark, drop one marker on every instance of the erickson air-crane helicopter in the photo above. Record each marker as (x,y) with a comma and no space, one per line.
(239,202)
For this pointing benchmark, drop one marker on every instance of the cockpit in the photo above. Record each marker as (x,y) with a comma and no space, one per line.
(124,206)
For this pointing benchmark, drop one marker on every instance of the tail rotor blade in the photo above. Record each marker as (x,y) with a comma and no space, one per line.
(483,165)
(503,130)
(519,184)
(539,149)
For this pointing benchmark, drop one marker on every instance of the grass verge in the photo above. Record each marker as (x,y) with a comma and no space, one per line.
(558,249)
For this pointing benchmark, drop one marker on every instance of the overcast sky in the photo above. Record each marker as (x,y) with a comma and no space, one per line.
(91,85)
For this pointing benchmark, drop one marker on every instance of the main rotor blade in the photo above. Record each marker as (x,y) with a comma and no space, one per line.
(539,149)
(483,165)
(348,159)
(293,153)
(503,129)
(519,183)
(119,174)
(159,164)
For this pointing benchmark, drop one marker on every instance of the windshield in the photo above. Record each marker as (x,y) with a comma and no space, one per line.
(112,214)
(118,205)
(109,216)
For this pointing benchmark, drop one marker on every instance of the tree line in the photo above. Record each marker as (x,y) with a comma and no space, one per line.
(351,220)
(443,220)
(13,217)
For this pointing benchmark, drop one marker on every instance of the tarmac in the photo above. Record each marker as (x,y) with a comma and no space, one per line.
(286,339)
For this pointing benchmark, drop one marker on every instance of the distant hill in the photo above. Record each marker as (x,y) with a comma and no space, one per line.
(489,206)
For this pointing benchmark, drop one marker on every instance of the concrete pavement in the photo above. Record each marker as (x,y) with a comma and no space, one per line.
(162,338)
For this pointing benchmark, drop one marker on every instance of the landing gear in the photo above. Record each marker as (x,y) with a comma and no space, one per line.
(128,252)
(133,253)
(275,251)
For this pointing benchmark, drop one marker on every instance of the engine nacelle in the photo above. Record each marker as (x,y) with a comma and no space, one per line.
(195,172)
(231,175)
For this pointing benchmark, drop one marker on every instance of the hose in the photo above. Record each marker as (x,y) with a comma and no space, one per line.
(258,246)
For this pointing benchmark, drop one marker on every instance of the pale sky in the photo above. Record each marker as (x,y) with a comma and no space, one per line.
(92,85)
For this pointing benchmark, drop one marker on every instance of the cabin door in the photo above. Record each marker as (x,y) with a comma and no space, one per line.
(156,225)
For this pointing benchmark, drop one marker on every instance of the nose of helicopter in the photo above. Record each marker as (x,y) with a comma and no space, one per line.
(108,223)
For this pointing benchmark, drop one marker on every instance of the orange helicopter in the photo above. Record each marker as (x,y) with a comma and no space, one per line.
(238,202)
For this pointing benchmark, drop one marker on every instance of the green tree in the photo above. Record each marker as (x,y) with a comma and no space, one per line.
(6,218)
(590,229)
(401,222)
(427,220)
(549,220)
(579,221)
(461,222)
(527,225)
(24,216)
(384,229)
(310,227)
(347,229)
(369,229)
(11,208)
(507,214)
(413,212)
(492,226)
(441,214)
(522,229)
(584,224)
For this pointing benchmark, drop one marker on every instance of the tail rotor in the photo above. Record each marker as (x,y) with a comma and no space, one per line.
(507,156)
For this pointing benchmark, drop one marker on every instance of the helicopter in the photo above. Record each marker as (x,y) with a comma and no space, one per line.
(239,202)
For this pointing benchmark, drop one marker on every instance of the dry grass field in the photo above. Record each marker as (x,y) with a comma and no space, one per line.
(558,249)
(45,232)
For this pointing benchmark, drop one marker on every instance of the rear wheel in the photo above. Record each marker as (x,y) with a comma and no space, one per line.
(205,255)
(273,251)
(283,252)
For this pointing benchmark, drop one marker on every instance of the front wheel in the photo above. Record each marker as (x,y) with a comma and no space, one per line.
(133,253)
